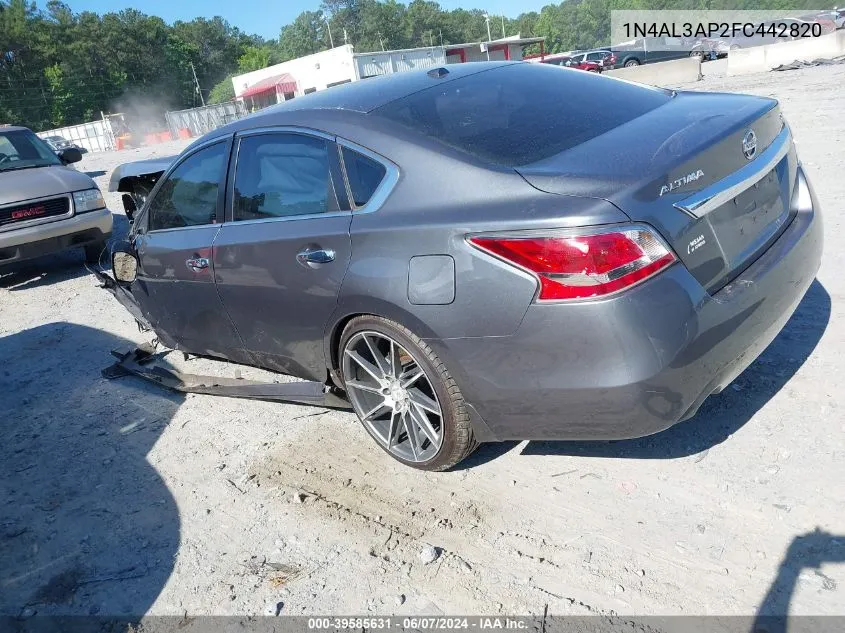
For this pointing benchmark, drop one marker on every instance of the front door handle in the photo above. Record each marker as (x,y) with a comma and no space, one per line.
(315,256)
(197,264)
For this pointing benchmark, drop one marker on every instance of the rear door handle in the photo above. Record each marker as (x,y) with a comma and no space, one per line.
(315,256)
(197,264)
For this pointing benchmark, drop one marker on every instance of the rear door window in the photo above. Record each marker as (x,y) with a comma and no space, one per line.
(282,175)
(363,174)
(522,113)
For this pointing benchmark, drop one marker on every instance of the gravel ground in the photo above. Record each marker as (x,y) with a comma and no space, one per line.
(121,499)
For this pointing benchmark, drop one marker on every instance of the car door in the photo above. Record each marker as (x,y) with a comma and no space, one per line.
(280,260)
(175,285)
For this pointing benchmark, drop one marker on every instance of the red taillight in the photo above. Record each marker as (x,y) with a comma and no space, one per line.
(588,264)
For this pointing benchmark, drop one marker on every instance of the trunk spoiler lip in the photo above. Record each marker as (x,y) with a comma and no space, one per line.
(718,193)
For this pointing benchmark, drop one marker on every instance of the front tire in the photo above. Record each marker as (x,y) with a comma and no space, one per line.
(631,63)
(403,394)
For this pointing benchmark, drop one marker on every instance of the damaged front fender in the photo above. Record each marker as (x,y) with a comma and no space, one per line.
(124,297)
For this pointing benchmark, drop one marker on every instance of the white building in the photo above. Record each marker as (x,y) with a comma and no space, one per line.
(342,64)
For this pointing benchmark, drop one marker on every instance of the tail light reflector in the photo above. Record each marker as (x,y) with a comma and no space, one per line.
(582,265)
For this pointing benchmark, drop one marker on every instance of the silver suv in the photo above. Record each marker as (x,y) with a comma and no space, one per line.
(46,206)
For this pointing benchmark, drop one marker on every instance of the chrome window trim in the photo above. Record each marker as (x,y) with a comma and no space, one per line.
(37,221)
(715,195)
(288,218)
(216,225)
(285,129)
(386,186)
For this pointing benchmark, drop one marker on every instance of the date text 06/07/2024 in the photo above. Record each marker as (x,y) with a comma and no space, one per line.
(418,623)
(722,29)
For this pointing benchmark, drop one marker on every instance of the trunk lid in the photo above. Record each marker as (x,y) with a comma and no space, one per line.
(682,168)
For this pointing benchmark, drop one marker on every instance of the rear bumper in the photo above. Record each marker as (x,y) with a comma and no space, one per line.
(635,364)
(42,239)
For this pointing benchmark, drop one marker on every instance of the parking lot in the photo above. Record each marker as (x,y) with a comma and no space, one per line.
(119,498)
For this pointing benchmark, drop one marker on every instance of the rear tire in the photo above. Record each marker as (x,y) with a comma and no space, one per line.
(94,251)
(369,380)
(632,62)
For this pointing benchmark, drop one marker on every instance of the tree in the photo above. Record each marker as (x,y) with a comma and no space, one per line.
(304,36)
(222,92)
(254,58)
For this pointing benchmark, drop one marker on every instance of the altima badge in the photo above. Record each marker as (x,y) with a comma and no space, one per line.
(680,182)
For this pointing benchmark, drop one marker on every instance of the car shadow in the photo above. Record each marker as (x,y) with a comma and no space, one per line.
(722,414)
(88,526)
(806,552)
(57,267)
(95,174)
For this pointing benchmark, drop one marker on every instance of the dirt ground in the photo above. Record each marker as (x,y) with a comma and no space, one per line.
(118,498)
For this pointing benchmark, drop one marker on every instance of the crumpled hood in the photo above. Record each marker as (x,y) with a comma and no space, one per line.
(137,168)
(41,182)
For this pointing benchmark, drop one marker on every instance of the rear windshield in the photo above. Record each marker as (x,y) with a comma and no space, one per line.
(522,113)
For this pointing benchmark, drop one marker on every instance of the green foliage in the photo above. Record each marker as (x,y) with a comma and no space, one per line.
(58,67)
(222,92)
(254,58)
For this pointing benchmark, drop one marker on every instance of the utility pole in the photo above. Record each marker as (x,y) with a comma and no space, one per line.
(345,36)
(489,36)
(431,39)
(441,37)
(197,83)
(380,41)
(329,26)
(503,27)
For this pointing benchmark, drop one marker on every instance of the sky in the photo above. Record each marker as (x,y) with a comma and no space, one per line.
(266,17)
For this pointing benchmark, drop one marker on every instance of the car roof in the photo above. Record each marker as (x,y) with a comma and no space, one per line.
(367,95)
(13,128)
(354,98)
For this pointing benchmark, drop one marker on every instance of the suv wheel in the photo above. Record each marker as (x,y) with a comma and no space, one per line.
(631,62)
(404,395)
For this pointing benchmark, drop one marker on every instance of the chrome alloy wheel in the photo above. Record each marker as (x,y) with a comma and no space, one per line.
(392,396)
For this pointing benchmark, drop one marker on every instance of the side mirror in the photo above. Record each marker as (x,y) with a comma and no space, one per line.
(124,263)
(69,155)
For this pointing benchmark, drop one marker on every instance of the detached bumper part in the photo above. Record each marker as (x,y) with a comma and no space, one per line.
(141,363)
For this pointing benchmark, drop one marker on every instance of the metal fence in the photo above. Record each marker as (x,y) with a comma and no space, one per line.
(202,120)
(96,136)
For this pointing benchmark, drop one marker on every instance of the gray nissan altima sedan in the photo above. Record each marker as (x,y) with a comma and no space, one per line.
(484,252)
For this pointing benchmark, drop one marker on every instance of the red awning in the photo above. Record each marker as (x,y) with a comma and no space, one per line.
(279,83)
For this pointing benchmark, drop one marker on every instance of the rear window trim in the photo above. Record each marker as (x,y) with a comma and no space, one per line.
(385,187)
